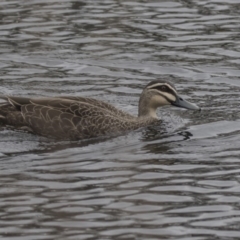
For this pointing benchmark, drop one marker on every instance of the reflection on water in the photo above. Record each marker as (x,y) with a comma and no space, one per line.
(177,181)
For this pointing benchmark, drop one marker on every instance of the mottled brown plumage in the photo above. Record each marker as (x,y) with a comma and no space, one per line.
(76,118)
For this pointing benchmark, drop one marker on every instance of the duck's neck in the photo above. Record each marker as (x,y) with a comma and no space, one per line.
(145,109)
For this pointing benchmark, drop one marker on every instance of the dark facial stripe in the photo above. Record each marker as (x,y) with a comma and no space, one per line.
(165,88)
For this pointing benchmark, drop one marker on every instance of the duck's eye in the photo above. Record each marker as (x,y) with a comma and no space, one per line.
(163,88)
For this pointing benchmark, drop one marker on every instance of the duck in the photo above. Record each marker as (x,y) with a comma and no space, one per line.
(76,118)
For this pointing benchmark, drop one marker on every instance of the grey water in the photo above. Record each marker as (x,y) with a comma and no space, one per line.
(180,181)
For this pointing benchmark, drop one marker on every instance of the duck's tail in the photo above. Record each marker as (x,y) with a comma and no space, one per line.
(5,108)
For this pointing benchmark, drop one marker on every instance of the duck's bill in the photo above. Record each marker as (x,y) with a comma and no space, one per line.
(185,104)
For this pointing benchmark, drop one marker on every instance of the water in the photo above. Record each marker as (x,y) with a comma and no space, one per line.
(179,181)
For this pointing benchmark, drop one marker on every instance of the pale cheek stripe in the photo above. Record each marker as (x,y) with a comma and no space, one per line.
(169,96)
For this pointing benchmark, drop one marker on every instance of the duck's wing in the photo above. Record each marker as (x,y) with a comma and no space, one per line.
(73,120)
(67,119)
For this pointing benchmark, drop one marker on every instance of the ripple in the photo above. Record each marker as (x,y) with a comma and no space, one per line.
(176,181)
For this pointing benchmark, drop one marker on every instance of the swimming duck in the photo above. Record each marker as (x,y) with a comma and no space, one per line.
(74,118)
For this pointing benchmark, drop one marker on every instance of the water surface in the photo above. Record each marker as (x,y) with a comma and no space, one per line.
(179,181)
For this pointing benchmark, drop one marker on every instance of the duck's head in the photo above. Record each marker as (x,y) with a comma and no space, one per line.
(161,93)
